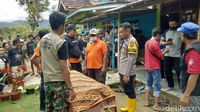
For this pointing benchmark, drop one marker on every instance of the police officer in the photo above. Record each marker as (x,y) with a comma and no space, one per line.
(190,66)
(74,51)
(127,65)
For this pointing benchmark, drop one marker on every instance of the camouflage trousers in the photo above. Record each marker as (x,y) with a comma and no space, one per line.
(56,97)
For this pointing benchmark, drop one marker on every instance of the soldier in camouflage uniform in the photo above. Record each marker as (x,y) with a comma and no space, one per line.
(54,55)
(127,65)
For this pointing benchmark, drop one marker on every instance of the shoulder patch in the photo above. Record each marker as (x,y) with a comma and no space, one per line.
(132,47)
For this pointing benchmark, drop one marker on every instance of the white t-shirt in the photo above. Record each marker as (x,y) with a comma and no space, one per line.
(2,64)
(175,47)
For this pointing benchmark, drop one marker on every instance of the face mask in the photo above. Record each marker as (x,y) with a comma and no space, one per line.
(93,39)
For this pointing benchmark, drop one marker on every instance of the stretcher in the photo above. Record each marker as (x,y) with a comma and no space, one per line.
(91,96)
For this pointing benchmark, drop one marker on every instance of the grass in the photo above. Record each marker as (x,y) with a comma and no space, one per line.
(27,103)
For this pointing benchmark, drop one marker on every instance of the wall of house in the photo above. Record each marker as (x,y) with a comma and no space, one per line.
(145,22)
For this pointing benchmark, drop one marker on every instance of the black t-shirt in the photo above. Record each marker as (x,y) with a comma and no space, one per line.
(30,48)
(73,45)
(82,45)
(15,56)
(63,52)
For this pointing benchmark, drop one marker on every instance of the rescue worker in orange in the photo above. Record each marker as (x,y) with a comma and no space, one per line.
(95,58)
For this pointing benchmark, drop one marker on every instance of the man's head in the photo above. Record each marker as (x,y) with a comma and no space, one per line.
(71,30)
(100,34)
(93,34)
(57,22)
(156,33)
(21,42)
(42,33)
(18,36)
(5,45)
(125,30)
(86,35)
(1,38)
(188,31)
(173,24)
(30,37)
(9,37)
(17,42)
(2,50)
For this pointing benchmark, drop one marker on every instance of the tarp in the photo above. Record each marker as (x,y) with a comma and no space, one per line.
(90,95)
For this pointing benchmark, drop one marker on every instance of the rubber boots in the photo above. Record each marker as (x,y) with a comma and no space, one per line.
(124,109)
(131,106)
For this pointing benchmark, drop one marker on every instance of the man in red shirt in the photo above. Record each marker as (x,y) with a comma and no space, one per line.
(153,55)
(190,66)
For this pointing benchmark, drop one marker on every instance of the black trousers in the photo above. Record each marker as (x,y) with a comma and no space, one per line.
(128,87)
(77,67)
(162,69)
(97,75)
(42,93)
(170,63)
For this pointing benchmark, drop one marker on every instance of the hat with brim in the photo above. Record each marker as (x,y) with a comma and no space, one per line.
(189,28)
(85,33)
(94,31)
(21,40)
(71,27)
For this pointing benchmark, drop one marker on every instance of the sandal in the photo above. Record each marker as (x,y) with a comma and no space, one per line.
(156,109)
(147,105)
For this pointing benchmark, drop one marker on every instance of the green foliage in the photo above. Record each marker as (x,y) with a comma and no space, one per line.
(14,30)
(34,8)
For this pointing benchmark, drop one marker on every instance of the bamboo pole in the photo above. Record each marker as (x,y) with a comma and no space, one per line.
(118,44)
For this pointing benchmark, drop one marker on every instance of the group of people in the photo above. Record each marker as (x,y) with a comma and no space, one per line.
(14,56)
(61,51)
(186,65)
(88,55)
(57,52)
(18,50)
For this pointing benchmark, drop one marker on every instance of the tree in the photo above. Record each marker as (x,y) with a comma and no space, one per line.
(17,29)
(34,8)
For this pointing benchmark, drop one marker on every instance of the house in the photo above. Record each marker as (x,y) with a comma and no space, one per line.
(142,14)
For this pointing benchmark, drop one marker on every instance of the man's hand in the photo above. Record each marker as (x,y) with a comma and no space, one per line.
(84,70)
(72,94)
(184,101)
(126,79)
(103,70)
(70,66)
(166,50)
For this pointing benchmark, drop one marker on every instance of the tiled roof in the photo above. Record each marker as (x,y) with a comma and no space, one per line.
(72,4)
